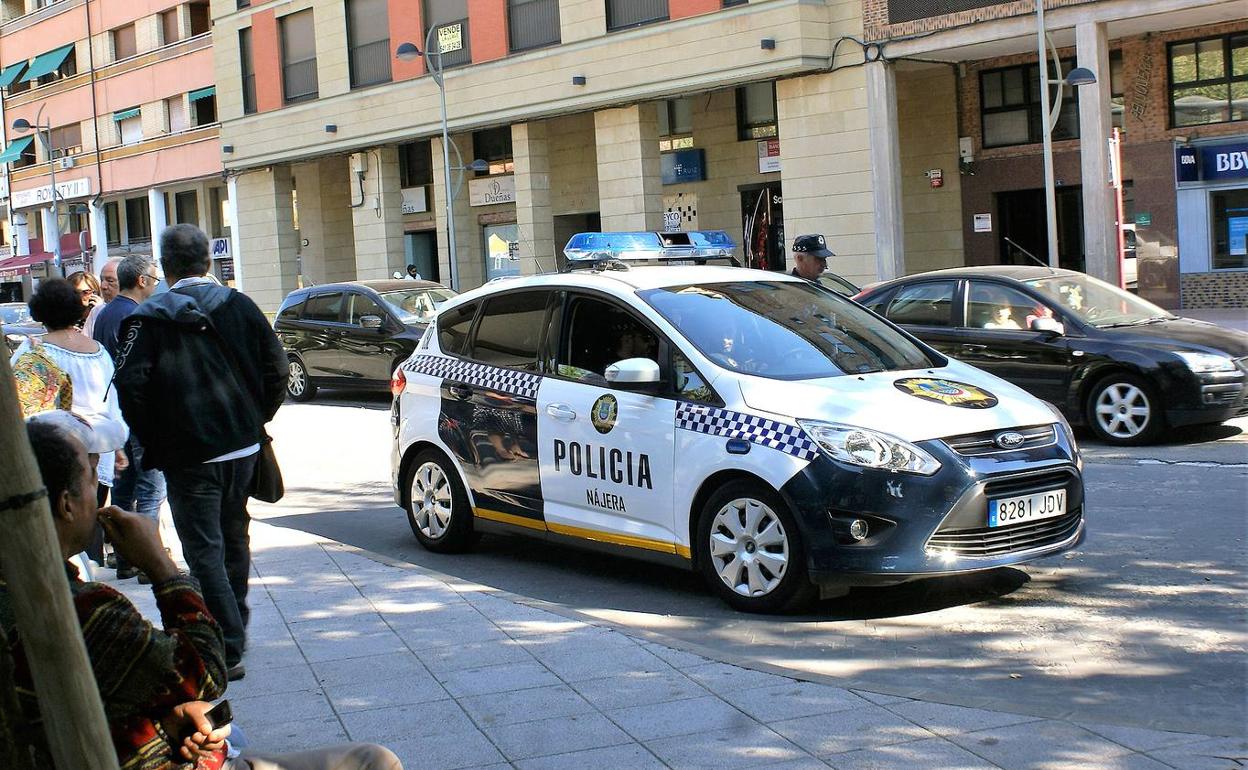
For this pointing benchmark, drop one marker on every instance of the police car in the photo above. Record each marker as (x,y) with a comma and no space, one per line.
(779,438)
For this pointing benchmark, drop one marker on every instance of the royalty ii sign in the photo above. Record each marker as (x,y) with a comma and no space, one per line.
(1212,162)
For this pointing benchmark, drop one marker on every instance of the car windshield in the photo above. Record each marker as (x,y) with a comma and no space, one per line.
(16,315)
(416,306)
(838,285)
(785,330)
(1097,303)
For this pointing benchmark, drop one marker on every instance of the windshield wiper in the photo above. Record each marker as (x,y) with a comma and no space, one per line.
(1138,322)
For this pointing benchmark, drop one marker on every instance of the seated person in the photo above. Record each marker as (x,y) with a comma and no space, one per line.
(154,683)
(1002,318)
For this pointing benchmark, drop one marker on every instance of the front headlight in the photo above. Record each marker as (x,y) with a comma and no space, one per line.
(1203,363)
(869,448)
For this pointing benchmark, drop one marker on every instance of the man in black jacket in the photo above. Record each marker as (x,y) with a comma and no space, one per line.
(199,373)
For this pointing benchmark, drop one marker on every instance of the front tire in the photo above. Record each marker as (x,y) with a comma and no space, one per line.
(298,386)
(1125,410)
(437,505)
(750,551)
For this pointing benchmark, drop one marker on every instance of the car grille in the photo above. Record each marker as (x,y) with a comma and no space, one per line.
(998,541)
(977,444)
(1027,484)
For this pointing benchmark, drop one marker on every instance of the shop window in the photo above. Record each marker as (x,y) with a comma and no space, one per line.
(138,220)
(532,24)
(203,106)
(756,111)
(298,34)
(186,207)
(1229,211)
(624,14)
(112,223)
(1010,106)
(169,31)
(449,19)
(75,222)
(368,42)
(416,164)
(124,43)
(201,19)
(498,262)
(675,124)
(248,70)
(1209,80)
(493,145)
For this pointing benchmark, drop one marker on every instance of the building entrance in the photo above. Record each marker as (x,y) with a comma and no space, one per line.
(762,227)
(1023,227)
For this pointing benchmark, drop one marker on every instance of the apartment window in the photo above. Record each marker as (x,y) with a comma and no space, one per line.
(494,146)
(1209,80)
(186,208)
(124,45)
(298,57)
(129,125)
(112,223)
(203,106)
(66,140)
(1117,96)
(25,149)
(416,164)
(138,221)
(622,14)
(532,23)
(201,19)
(730,3)
(450,19)
(248,70)
(1010,106)
(756,111)
(175,110)
(68,67)
(368,41)
(169,31)
(675,124)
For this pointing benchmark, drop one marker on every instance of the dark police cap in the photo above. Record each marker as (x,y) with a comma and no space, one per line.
(814,245)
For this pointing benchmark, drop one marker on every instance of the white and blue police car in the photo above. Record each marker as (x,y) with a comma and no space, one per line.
(751,425)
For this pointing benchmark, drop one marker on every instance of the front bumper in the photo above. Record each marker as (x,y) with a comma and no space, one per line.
(926,526)
(1212,397)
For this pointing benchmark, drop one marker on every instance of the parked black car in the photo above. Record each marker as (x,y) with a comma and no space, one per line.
(18,325)
(1109,360)
(354,334)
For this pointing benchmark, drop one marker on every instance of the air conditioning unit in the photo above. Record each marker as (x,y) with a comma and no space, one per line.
(65,162)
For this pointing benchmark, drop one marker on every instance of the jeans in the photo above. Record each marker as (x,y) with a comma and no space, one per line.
(209,505)
(138,489)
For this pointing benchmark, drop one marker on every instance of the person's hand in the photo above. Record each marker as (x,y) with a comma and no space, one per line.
(137,540)
(187,722)
(120,461)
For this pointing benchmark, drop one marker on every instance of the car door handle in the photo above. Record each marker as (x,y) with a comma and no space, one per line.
(968,347)
(561,412)
(462,392)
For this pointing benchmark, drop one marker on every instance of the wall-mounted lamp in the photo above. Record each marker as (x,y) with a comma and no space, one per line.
(331,128)
(227,148)
(578,80)
(767,44)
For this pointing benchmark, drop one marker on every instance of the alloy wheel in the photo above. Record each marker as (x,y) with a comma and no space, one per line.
(297,378)
(1123,410)
(749,547)
(431,500)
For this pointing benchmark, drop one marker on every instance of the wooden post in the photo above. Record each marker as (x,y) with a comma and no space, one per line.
(30,559)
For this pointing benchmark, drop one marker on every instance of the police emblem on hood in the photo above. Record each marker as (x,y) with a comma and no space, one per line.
(947,392)
(604,412)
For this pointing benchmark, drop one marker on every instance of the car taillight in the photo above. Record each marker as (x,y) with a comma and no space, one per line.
(398,382)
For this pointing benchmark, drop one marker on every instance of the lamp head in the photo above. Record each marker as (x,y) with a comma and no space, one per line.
(21,125)
(479,165)
(407,52)
(1080,76)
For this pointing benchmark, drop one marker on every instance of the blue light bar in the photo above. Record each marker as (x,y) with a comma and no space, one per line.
(696,244)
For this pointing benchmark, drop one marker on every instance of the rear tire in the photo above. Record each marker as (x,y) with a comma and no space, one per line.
(1125,410)
(437,505)
(298,386)
(750,550)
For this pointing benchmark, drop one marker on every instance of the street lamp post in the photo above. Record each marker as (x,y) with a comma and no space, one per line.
(1049,113)
(21,126)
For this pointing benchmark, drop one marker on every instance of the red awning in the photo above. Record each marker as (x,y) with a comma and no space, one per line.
(14,267)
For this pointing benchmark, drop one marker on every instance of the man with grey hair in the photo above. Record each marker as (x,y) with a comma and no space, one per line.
(199,373)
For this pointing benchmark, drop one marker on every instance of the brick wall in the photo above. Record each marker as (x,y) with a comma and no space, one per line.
(1224,289)
(877,27)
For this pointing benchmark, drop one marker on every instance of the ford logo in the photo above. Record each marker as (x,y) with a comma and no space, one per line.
(1010,439)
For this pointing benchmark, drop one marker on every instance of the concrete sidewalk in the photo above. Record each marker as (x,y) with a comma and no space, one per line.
(345,645)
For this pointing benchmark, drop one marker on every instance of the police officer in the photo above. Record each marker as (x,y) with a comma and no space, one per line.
(810,256)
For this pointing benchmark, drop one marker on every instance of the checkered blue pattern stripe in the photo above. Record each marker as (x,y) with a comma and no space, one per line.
(758,430)
(522,384)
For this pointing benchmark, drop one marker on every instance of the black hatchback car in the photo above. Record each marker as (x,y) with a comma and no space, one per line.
(354,334)
(1109,360)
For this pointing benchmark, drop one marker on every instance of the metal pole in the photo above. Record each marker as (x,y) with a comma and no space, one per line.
(56,219)
(452,254)
(1050,192)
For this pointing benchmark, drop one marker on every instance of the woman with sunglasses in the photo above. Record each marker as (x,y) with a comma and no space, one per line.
(88,288)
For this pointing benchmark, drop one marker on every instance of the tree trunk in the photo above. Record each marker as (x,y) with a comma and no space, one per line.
(30,559)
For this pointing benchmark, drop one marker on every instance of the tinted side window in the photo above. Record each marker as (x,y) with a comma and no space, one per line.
(323,307)
(291,311)
(453,327)
(996,306)
(362,306)
(510,330)
(923,304)
(597,335)
(877,303)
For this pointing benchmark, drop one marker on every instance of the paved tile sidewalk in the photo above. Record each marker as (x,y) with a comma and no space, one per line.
(345,646)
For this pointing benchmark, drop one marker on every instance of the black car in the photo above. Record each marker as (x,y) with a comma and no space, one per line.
(1109,360)
(354,334)
(18,325)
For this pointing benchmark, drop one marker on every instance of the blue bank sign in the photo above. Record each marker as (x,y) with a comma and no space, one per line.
(1212,162)
(683,166)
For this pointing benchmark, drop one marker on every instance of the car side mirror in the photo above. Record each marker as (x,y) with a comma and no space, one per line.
(370,321)
(633,373)
(1050,325)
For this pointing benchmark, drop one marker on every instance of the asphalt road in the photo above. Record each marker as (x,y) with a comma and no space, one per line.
(1146,624)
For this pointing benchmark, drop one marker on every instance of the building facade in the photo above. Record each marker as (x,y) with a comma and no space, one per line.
(125,96)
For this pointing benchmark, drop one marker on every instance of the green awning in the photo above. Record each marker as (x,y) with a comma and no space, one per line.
(203,93)
(15,149)
(121,115)
(8,76)
(47,63)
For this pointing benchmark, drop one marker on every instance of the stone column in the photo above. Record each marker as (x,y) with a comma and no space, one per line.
(1100,215)
(157,218)
(885,169)
(534,217)
(231,215)
(470,261)
(264,231)
(379,221)
(47,226)
(337,224)
(630,184)
(307,181)
(21,234)
(97,223)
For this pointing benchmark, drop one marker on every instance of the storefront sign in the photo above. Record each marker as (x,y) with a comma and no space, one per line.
(768,156)
(414,200)
(983,223)
(220,248)
(495,189)
(451,38)
(226,267)
(683,166)
(1186,167)
(1144,219)
(74,188)
(1210,163)
(671,221)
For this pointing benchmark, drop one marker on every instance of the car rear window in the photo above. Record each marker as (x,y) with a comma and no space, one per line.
(291,311)
(510,330)
(453,327)
(323,307)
